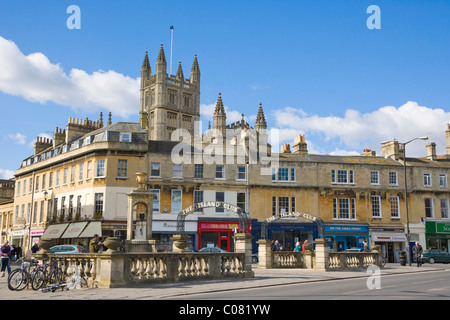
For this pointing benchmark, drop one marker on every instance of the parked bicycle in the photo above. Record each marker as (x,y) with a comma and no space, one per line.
(50,273)
(19,278)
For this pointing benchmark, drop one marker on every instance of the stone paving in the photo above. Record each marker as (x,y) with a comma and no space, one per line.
(263,278)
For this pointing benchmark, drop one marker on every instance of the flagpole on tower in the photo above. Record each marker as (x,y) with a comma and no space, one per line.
(171,46)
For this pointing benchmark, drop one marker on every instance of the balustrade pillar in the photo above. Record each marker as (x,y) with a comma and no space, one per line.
(322,255)
(244,245)
(265,258)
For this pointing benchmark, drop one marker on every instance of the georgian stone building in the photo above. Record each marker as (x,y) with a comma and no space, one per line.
(86,171)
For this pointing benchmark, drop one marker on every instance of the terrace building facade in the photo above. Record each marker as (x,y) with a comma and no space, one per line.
(83,175)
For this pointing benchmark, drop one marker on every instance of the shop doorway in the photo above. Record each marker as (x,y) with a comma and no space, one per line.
(220,240)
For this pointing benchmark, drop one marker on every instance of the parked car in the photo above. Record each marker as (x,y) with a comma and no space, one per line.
(435,255)
(69,248)
(214,249)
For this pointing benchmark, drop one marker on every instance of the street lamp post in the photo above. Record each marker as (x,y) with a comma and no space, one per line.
(408,236)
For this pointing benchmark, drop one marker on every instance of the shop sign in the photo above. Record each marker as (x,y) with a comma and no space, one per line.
(223,226)
(442,227)
(283,215)
(209,204)
(348,228)
(37,232)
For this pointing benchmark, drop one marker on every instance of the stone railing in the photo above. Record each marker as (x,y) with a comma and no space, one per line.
(117,269)
(287,259)
(320,259)
(353,260)
(124,269)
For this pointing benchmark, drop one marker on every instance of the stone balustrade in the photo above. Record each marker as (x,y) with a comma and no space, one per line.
(320,259)
(129,269)
(353,260)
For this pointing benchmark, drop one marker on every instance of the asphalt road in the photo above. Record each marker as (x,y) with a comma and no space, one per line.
(409,286)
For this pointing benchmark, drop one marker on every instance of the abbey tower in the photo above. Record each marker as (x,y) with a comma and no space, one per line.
(168,102)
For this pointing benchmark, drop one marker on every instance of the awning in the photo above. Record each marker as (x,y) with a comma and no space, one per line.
(74,230)
(388,237)
(94,227)
(54,231)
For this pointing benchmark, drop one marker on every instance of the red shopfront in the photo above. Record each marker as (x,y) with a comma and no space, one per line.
(217,234)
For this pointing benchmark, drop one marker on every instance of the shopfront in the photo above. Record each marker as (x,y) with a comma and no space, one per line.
(217,233)
(287,233)
(392,242)
(342,237)
(437,234)
(164,226)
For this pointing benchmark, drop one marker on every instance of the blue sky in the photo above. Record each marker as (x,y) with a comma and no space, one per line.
(314,65)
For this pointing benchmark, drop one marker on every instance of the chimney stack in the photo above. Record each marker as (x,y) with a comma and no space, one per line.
(431,151)
(368,153)
(447,138)
(286,148)
(300,146)
(392,149)
(41,144)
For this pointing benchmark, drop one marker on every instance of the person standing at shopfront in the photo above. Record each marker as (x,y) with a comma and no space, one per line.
(6,256)
(417,250)
(94,244)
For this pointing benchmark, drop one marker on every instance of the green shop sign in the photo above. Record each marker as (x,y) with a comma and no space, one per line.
(438,227)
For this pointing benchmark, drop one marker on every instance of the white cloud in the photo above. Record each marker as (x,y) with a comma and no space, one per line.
(36,79)
(18,138)
(6,174)
(356,130)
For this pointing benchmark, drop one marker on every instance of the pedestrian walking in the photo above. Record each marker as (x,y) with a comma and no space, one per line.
(35,248)
(6,256)
(417,250)
(298,247)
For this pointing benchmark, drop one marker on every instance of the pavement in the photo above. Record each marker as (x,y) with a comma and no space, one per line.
(263,278)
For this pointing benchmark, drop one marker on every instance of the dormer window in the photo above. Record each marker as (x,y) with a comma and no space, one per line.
(125,137)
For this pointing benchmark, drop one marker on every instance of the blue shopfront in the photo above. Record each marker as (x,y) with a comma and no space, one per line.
(287,233)
(342,237)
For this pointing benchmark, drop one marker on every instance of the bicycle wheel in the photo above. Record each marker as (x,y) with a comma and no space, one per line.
(56,276)
(38,279)
(17,280)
